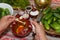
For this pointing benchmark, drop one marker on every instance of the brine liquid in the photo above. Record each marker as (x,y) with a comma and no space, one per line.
(20,29)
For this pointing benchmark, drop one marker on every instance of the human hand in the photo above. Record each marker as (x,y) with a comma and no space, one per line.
(5,21)
(39,29)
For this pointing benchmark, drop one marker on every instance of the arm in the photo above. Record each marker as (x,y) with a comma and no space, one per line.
(5,21)
(40,34)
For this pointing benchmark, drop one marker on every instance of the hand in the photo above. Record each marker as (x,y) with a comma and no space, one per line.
(40,34)
(5,21)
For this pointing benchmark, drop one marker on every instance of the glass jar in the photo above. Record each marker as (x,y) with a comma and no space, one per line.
(21,28)
(34,13)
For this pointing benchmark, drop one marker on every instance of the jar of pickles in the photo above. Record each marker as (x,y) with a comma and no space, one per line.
(21,27)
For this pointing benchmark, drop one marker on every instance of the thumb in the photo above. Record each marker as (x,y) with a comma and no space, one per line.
(35,24)
(38,27)
(11,19)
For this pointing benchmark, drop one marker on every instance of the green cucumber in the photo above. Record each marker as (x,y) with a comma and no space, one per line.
(58,9)
(3,14)
(47,27)
(47,10)
(57,31)
(58,21)
(47,16)
(55,26)
(50,20)
(7,12)
(57,15)
(54,19)
(42,20)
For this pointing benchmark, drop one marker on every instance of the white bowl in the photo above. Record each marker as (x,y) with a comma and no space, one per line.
(4,5)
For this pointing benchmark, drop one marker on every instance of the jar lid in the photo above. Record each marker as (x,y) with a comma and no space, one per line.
(34,13)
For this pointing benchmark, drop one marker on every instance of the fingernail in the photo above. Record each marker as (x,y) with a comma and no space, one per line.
(40,23)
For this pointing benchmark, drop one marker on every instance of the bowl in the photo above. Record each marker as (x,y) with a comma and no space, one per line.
(21,28)
(4,5)
(50,25)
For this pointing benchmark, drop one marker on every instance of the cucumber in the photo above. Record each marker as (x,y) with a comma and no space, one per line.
(55,11)
(4,12)
(54,19)
(55,26)
(1,12)
(42,21)
(47,16)
(58,9)
(50,20)
(57,15)
(7,12)
(58,21)
(47,10)
(47,27)
(57,31)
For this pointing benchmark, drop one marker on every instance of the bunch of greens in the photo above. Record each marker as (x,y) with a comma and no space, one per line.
(51,19)
(17,3)
(4,12)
